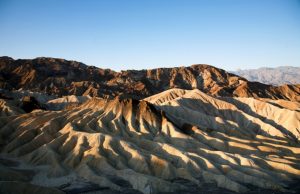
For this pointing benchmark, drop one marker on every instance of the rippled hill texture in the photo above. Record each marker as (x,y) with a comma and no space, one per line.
(70,128)
(178,141)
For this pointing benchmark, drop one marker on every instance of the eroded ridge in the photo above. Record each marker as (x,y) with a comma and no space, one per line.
(237,143)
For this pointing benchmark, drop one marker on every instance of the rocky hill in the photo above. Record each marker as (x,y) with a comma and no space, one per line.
(273,76)
(177,141)
(66,127)
(61,77)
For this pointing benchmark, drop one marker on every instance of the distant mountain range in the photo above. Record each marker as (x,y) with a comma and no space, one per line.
(274,76)
(62,77)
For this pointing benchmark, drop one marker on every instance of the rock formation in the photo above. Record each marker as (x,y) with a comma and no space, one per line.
(61,77)
(66,127)
(176,141)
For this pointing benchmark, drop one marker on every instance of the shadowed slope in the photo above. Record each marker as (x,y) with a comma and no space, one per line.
(150,145)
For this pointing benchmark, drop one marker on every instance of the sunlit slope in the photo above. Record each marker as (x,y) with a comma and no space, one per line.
(237,143)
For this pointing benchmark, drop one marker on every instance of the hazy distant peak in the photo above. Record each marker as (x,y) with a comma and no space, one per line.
(274,76)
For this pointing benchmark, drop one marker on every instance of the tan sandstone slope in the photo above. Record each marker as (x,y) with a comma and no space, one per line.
(164,143)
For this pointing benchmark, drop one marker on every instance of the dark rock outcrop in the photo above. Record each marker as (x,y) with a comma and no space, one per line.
(29,103)
(62,77)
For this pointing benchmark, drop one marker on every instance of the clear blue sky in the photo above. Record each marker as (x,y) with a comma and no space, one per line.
(137,34)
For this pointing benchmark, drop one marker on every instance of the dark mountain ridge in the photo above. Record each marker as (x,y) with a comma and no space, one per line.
(62,77)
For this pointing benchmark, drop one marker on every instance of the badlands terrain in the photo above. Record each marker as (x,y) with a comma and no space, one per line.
(66,127)
(61,77)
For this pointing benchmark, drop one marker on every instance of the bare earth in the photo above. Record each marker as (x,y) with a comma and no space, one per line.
(177,141)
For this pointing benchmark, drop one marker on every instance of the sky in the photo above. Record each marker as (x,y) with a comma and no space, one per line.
(143,34)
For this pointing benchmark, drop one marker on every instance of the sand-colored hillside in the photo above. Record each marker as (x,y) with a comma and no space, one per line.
(66,101)
(176,141)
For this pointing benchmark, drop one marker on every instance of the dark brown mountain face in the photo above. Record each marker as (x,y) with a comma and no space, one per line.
(62,77)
